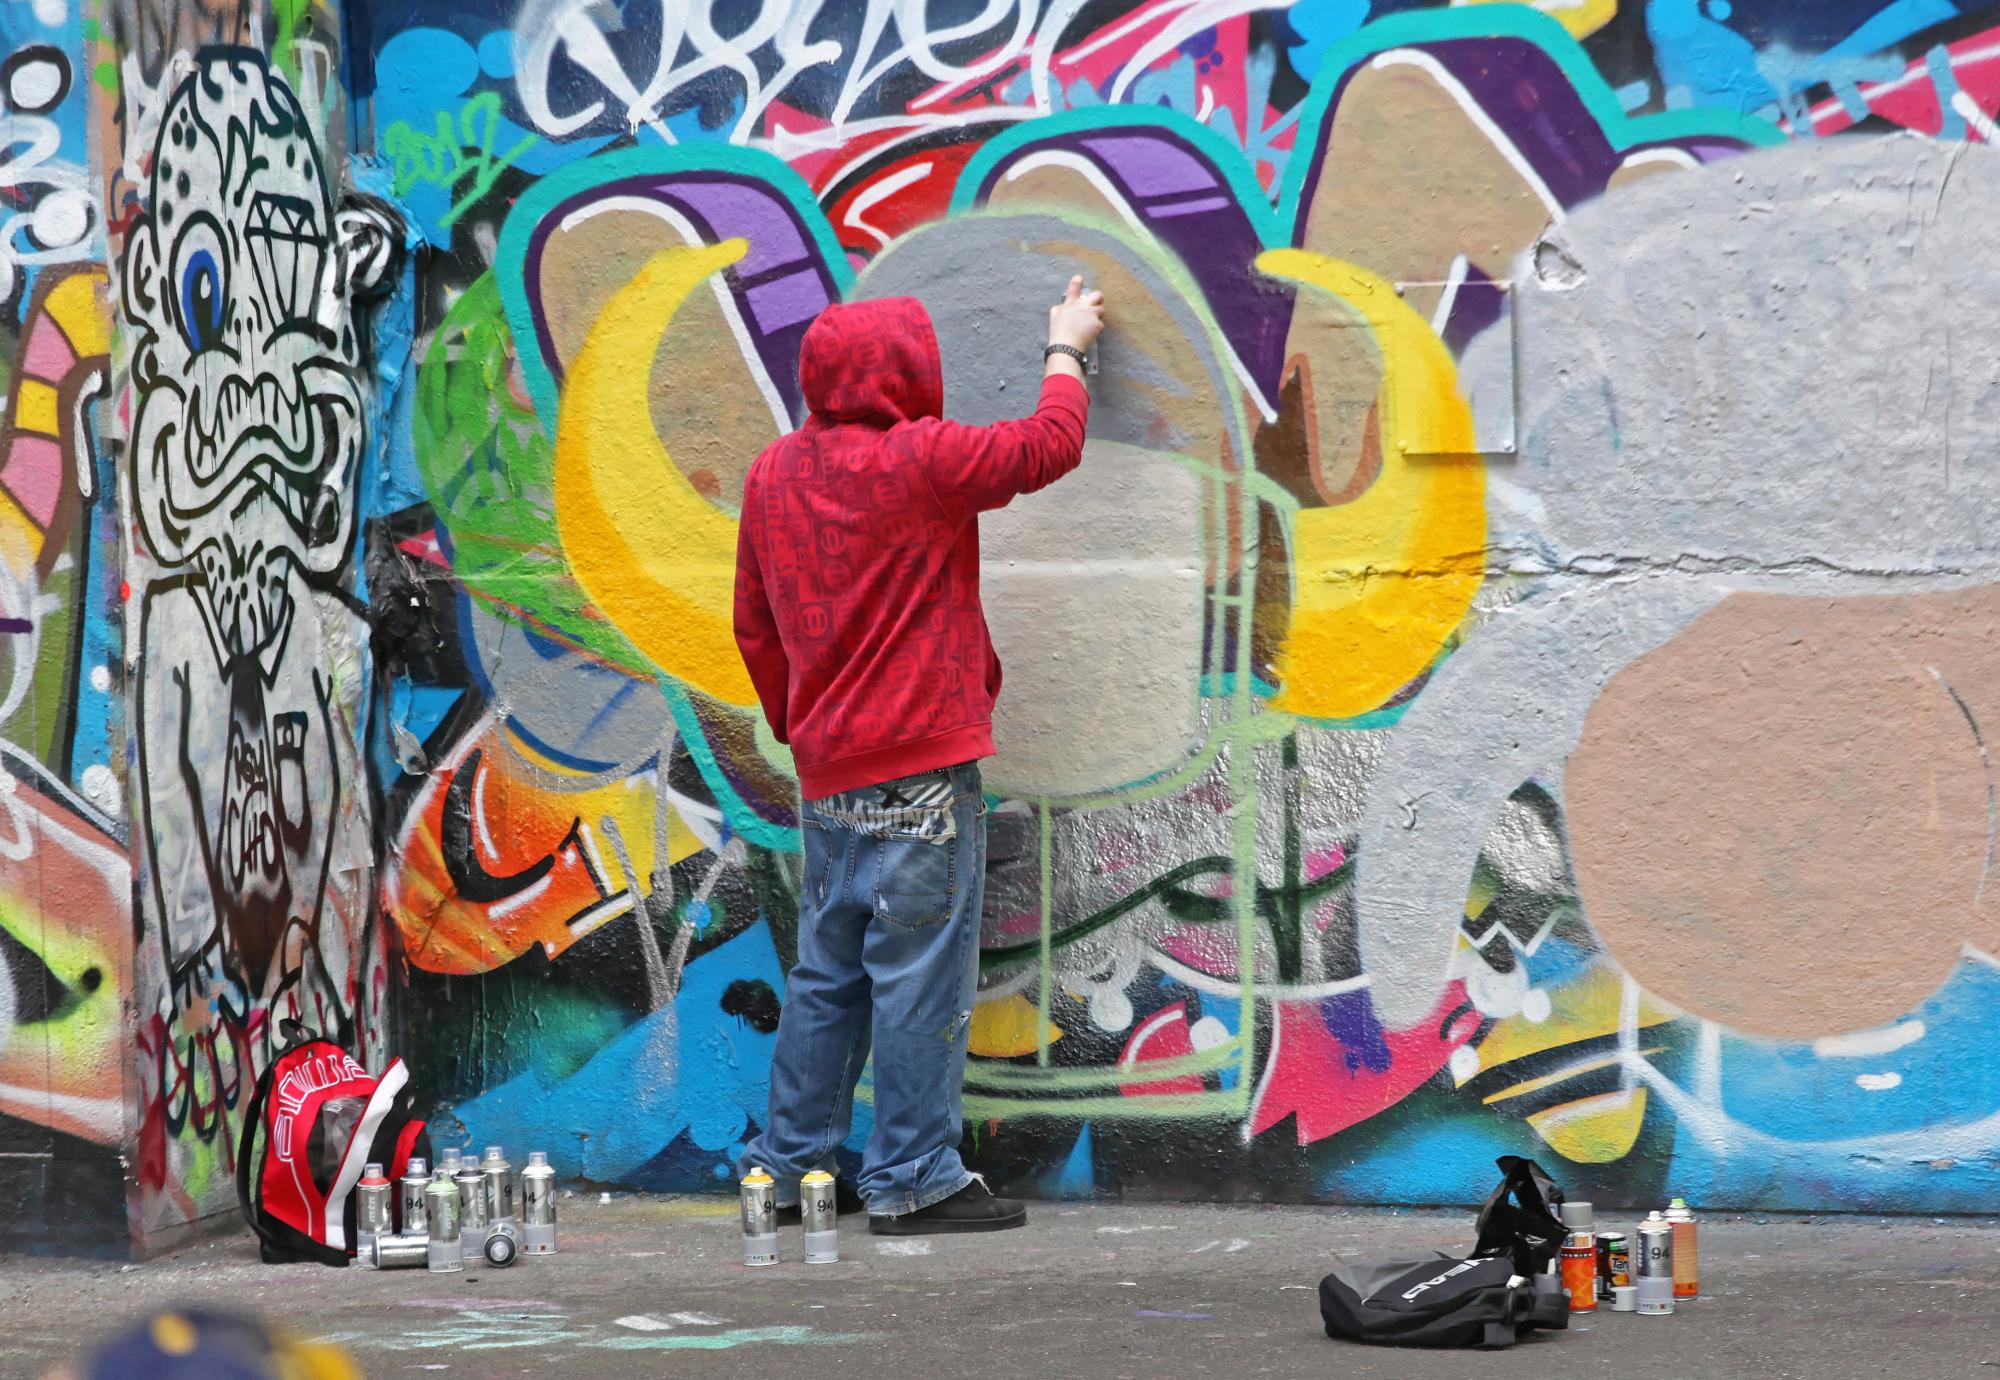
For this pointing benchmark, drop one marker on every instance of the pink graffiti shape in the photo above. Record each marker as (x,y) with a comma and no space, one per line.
(1310,1074)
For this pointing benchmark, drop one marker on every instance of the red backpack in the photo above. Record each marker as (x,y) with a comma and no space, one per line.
(324,1117)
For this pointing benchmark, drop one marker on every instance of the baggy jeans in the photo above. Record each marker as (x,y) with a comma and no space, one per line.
(888,958)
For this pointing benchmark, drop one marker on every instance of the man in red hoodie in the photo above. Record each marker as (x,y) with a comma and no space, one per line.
(858,615)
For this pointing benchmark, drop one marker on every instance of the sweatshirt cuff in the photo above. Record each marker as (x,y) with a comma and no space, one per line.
(1061,388)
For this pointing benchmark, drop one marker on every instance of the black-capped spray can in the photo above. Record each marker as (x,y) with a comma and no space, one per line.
(1614,1265)
(472,1221)
(1656,1266)
(820,1214)
(538,1206)
(443,1254)
(760,1218)
(499,1187)
(412,1218)
(371,1214)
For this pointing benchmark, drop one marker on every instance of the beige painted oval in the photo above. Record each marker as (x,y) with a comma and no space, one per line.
(1782,819)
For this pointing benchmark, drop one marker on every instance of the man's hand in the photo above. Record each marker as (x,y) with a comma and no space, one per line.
(1078,318)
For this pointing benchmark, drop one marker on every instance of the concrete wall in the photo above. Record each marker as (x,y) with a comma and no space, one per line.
(1510,675)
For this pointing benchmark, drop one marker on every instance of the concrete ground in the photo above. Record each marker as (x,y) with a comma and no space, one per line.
(654,1287)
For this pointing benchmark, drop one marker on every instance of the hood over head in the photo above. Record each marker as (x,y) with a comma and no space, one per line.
(873,363)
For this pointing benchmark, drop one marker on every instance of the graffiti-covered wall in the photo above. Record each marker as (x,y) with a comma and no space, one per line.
(1510,673)
(1506,677)
(65,883)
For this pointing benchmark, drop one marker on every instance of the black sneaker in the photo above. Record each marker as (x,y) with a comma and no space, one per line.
(846,1202)
(972,1208)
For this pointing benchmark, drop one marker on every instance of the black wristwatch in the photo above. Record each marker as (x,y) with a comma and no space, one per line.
(1082,359)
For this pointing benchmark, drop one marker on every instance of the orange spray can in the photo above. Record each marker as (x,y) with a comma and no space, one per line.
(1579,1257)
(1687,1262)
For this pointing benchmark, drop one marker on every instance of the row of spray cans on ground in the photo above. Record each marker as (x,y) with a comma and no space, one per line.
(464,1211)
(1599,1267)
(818,1214)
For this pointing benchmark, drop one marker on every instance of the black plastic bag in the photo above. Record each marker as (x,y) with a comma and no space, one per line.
(1438,1301)
(1519,1220)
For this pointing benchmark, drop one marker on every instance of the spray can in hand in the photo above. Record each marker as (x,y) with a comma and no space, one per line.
(1687,1256)
(411,1217)
(1579,1257)
(538,1206)
(819,1213)
(443,1253)
(760,1218)
(371,1214)
(1656,1266)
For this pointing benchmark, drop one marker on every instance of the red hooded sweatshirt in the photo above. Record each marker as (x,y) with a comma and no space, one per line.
(857,557)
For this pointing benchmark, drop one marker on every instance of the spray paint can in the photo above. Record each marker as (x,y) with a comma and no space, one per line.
(1614,1265)
(448,1161)
(499,1187)
(411,1218)
(538,1205)
(371,1214)
(441,1207)
(401,1252)
(502,1246)
(1656,1266)
(1687,1255)
(1579,1257)
(472,1221)
(820,1215)
(760,1218)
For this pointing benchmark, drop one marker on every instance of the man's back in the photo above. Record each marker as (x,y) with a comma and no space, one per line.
(857,590)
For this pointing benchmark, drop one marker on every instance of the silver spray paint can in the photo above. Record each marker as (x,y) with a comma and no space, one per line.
(499,1177)
(441,1206)
(371,1214)
(502,1246)
(1656,1266)
(448,1161)
(401,1252)
(819,1213)
(538,1205)
(472,1223)
(760,1218)
(412,1219)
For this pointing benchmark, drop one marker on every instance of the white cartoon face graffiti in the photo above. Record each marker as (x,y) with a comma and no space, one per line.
(249,422)
(240,282)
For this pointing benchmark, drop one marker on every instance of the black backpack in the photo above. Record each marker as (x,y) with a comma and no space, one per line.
(1520,1218)
(1486,1300)
(1436,1300)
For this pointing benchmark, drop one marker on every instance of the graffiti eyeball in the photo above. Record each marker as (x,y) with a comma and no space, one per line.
(200,287)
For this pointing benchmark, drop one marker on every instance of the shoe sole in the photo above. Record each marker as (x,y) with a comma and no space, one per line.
(897,1226)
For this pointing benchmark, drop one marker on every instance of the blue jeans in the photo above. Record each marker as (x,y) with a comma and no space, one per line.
(888,956)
